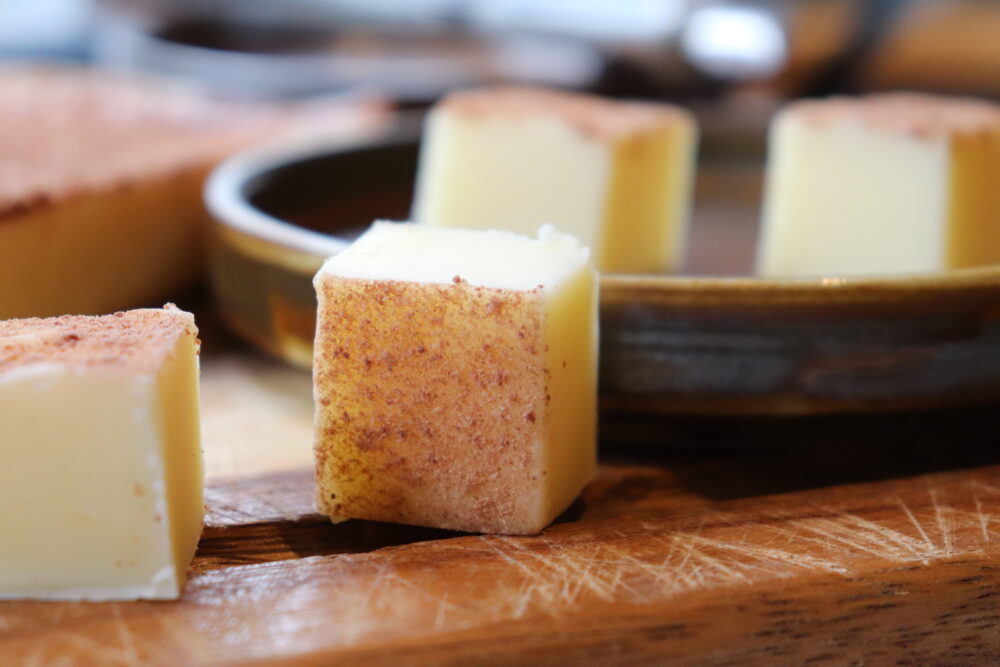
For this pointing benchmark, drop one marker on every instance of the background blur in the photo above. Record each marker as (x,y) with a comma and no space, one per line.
(415,49)
(733,63)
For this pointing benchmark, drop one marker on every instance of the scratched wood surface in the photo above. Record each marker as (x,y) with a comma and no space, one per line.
(872,541)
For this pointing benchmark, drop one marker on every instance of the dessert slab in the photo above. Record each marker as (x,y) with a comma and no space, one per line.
(878,543)
(714,341)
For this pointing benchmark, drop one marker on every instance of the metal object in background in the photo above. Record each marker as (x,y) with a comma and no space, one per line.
(735,41)
(416,50)
(45,28)
(314,47)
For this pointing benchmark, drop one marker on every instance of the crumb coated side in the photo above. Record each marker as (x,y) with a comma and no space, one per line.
(430,404)
(130,341)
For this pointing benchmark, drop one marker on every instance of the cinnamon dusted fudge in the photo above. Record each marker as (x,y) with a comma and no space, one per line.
(892,183)
(455,378)
(617,175)
(101,181)
(100,459)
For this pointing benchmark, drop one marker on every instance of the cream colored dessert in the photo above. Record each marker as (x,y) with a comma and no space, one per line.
(616,175)
(455,378)
(895,183)
(100,184)
(100,458)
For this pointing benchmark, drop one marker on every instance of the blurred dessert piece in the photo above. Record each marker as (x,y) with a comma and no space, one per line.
(616,175)
(100,457)
(100,183)
(455,378)
(941,46)
(894,183)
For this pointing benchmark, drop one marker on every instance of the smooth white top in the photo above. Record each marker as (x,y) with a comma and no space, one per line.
(484,258)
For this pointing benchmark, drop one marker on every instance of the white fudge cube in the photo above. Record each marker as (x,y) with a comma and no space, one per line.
(897,183)
(615,175)
(100,459)
(455,378)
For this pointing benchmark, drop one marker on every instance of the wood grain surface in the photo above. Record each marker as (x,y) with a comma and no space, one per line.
(702,542)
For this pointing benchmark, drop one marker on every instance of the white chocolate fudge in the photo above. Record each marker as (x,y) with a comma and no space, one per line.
(100,458)
(895,183)
(455,378)
(615,175)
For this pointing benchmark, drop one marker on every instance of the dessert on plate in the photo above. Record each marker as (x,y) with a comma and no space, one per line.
(617,175)
(891,183)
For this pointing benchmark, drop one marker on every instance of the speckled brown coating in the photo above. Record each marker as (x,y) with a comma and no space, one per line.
(70,131)
(593,116)
(431,404)
(134,341)
(918,114)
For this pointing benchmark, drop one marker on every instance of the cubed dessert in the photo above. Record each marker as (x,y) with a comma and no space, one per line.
(455,378)
(617,175)
(100,458)
(101,178)
(892,183)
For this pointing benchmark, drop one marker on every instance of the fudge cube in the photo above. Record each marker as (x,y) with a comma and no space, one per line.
(100,458)
(615,175)
(455,378)
(893,183)
(101,180)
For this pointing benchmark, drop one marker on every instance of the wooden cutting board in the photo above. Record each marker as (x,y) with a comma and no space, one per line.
(828,542)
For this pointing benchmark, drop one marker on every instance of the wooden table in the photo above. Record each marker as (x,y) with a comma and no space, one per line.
(828,541)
